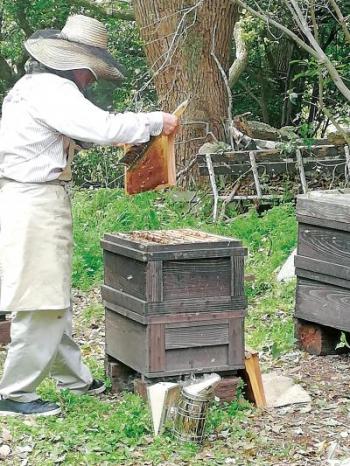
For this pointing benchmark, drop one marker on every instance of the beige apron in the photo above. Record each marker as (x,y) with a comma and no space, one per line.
(35,246)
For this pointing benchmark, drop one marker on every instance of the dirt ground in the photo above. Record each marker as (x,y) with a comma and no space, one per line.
(306,432)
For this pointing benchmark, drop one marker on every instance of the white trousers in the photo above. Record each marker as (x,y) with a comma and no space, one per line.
(35,268)
(42,345)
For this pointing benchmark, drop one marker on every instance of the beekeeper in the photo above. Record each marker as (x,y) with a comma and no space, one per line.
(40,114)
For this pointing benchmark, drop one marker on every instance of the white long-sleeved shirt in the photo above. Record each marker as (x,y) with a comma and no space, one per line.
(42,110)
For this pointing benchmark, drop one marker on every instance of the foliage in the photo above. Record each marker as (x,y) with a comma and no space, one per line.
(290,74)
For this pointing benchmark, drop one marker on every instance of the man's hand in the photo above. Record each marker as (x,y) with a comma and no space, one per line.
(170,123)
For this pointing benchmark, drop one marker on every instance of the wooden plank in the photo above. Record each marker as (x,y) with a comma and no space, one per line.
(208,304)
(185,254)
(320,277)
(196,359)
(195,316)
(123,251)
(237,276)
(334,207)
(191,336)
(124,300)
(126,341)
(169,240)
(254,380)
(156,342)
(326,268)
(197,253)
(323,304)
(225,368)
(196,278)
(327,223)
(269,168)
(142,319)
(236,341)
(125,274)
(324,244)
(154,281)
(273,155)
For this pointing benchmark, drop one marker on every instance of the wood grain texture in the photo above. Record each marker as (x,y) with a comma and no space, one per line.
(324,304)
(322,278)
(178,346)
(333,207)
(154,281)
(273,168)
(335,225)
(324,244)
(126,341)
(156,342)
(191,336)
(206,304)
(236,341)
(325,268)
(197,359)
(237,276)
(196,278)
(125,274)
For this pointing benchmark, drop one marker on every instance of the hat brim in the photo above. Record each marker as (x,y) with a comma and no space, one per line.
(48,48)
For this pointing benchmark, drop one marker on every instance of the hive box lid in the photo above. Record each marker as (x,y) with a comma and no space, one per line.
(171,244)
(330,209)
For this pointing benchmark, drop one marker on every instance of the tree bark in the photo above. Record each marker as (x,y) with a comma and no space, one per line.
(184,43)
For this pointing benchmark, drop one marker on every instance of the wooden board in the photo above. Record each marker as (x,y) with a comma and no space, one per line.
(276,168)
(322,303)
(325,205)
(324,244)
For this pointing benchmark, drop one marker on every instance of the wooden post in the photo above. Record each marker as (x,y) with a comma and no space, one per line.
(253,378)
(255,174)
(213,185)
(301,171)
(347,164)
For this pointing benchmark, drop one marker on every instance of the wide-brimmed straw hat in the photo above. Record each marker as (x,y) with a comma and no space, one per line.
(82,44)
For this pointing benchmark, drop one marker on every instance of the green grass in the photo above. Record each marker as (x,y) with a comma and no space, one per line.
(117,431)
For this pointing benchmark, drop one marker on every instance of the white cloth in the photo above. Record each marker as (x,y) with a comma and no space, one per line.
(35,246)
(41,344)
(41,109)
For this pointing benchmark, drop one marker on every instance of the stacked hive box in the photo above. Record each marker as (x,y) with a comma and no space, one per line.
(323,266)
(174,301)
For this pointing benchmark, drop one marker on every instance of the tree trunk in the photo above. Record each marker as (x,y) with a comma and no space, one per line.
(181,37)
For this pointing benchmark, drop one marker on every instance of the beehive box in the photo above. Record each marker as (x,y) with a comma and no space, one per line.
(175,344)
(173,271)
(174,301)
(323,258)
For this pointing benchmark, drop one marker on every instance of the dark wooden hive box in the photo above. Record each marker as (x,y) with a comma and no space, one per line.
(175,344)
(173,271)
(174,301)
(323,258)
